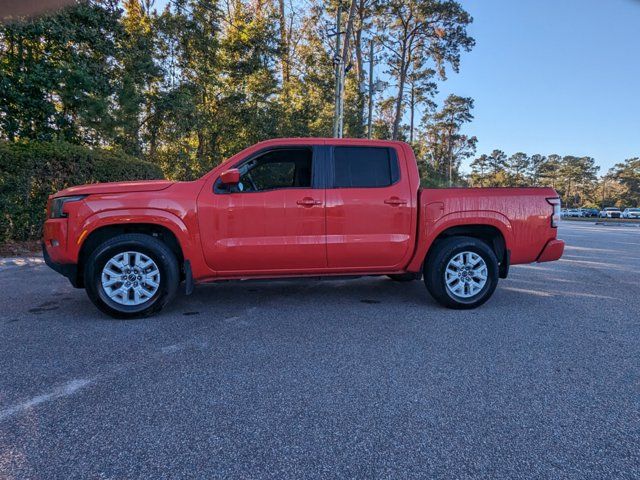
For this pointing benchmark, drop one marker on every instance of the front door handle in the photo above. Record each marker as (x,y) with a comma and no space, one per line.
(395,201)
(308,202)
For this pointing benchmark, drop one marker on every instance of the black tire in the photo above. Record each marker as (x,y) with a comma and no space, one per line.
(436,264)
(147,245)
(405,277)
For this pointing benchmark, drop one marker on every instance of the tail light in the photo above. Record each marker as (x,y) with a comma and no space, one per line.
(555,216)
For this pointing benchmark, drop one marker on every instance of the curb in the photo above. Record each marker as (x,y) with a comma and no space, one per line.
(30,261)
(619,224)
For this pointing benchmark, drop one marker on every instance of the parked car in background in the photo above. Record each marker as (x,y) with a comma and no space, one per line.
(290,208)
(589,212)
(574,212)
(563,212)
(610,212)
(631,213)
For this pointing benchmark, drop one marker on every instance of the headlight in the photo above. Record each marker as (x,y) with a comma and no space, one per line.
(57,205)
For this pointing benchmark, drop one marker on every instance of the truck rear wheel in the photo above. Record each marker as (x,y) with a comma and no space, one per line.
(461,272)
(131,275)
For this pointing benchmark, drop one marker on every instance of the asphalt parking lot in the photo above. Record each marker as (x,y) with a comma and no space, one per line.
(362,378)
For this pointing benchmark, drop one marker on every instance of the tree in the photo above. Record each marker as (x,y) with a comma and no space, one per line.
(364,13)
(497,163)
(284,47)
(536,162)
(576,179)
(51,90)
(139,74)
(549,171)
(421,90)
(183,123)
(479,168)
(199,80)
(418,35)
(448,146)
(517,166)
(627,174)
(309,109)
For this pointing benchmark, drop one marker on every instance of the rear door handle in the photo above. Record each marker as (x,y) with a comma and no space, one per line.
(308,202)
(395,201)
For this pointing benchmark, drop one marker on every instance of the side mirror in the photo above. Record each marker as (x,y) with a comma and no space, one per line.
(230,177)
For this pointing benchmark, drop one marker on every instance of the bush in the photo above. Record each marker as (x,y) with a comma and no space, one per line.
(31,171)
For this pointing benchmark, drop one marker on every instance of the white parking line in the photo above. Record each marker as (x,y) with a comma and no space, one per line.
(65,390)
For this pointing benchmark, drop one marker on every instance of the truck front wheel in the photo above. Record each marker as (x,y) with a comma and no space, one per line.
(461,272)
(131,275)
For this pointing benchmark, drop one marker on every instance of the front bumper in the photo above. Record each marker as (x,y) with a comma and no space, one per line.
(553,250)
(68,270)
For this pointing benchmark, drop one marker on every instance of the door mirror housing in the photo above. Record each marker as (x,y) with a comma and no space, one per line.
(230,177)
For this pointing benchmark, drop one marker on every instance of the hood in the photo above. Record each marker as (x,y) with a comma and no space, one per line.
(115,187)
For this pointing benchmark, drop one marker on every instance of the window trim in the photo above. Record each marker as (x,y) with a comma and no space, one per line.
(316,160)
(331,173)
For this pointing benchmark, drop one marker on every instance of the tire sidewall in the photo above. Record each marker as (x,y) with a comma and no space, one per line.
(436,266)
(150,247)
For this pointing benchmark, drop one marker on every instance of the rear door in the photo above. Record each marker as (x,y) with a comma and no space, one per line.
(368,208)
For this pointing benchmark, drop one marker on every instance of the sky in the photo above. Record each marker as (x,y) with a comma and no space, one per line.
(554,76)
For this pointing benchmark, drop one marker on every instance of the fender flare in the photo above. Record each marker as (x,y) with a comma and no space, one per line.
(150,216)
(434,227)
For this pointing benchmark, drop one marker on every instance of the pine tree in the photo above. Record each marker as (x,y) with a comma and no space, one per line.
(419,35)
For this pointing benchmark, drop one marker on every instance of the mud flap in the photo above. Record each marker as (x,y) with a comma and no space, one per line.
(188,278)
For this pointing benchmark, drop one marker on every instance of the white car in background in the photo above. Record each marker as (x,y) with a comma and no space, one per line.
(611,212)
(631,213)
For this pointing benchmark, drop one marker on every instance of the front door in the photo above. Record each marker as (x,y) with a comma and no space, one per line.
(272,222)
(368,209)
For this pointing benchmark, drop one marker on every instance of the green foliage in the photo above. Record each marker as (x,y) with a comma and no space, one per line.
(31,171)
(574,178)
(445,145)
(188,86)
(57,75)
(194,83)
(421,37)
(627,174)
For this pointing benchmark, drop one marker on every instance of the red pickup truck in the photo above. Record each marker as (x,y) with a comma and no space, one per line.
(290,208)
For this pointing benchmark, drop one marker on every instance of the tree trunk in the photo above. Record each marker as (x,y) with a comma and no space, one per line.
(347,36)
(413,107)
(284,45)
(403,78)
(360,71)
(358,46)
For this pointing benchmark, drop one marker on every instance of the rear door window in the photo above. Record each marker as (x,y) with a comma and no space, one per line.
(364,167)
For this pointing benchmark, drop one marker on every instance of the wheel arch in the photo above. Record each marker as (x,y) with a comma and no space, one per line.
(97,232)
(491,227)
(489,234)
